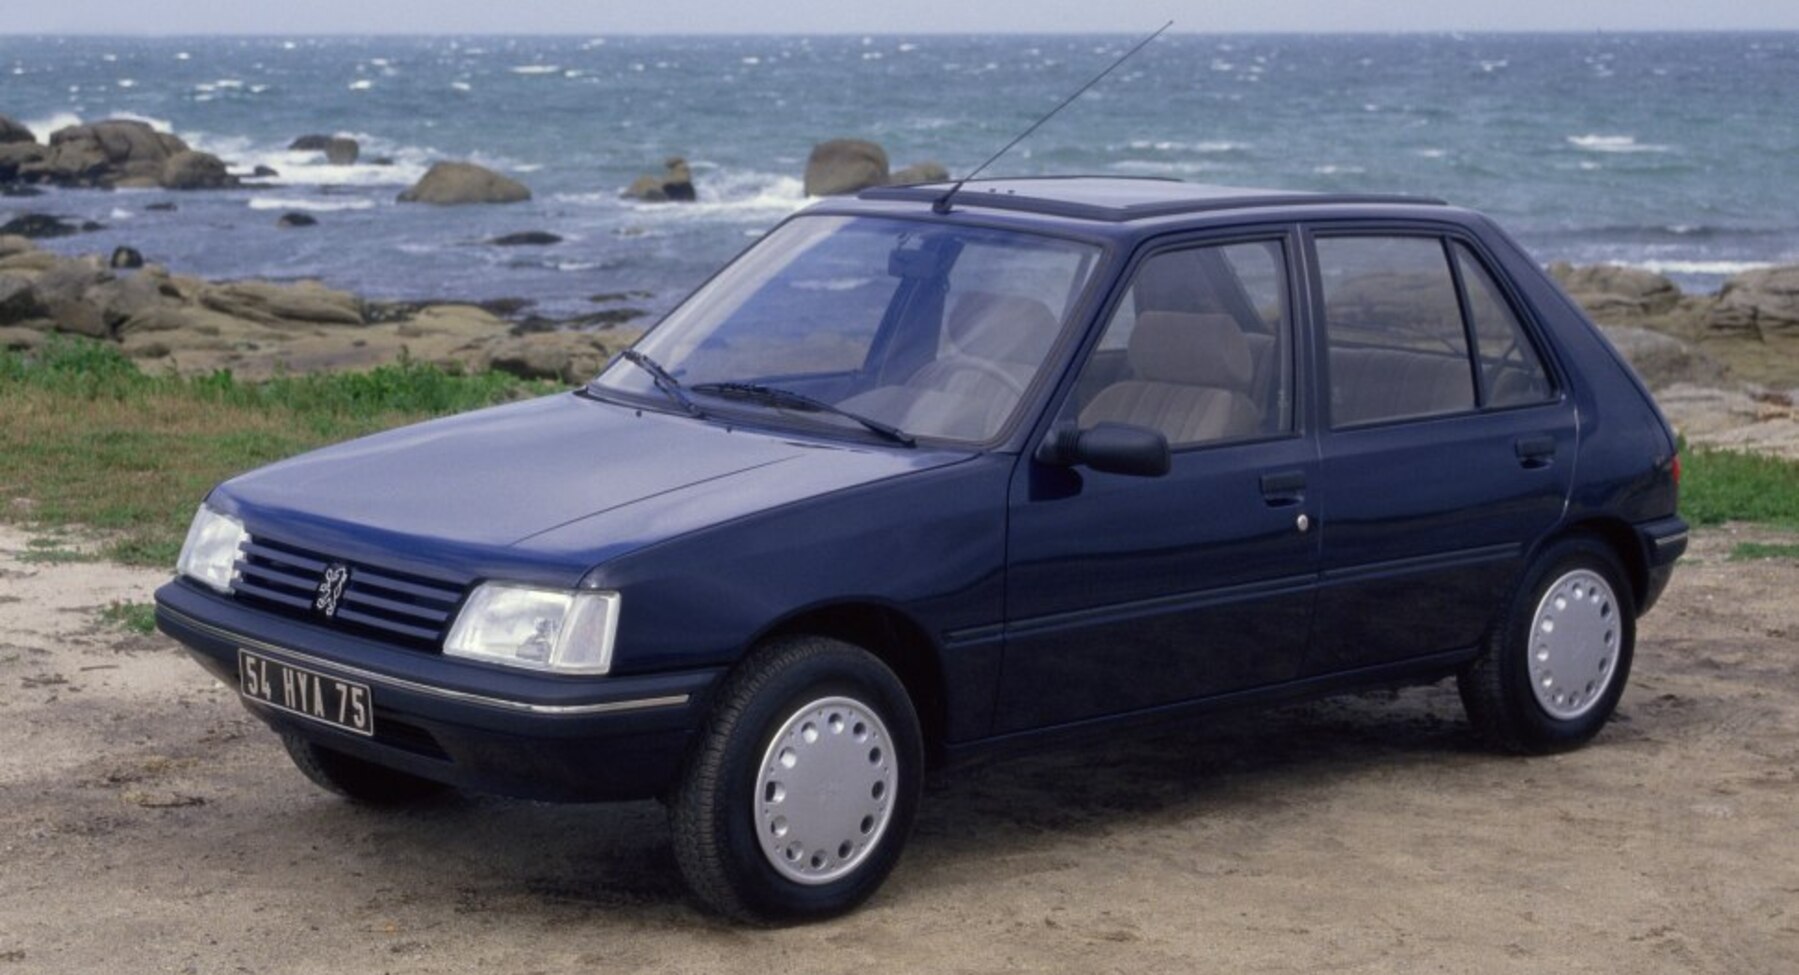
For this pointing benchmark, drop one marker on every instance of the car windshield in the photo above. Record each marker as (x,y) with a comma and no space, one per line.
(931,330)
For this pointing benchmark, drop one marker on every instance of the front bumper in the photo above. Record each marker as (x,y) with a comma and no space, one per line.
(475,726)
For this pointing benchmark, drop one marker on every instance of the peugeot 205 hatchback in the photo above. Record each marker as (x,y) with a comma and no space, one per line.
(925,471)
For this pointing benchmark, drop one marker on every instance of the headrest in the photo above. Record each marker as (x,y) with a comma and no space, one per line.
(1002,327)
(1191,350)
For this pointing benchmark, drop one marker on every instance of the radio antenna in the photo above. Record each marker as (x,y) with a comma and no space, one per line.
(942,203)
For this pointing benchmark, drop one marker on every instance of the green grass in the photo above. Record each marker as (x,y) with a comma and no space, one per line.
(1723,485)
(1747,551)
(91,440)
(133,617)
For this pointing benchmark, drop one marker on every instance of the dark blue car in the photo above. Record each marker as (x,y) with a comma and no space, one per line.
(916,477)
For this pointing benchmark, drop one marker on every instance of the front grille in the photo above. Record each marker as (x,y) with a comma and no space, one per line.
(398,607)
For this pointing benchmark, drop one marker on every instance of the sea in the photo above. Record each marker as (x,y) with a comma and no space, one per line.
(1678,153)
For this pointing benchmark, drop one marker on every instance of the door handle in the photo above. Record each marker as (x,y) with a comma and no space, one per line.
(1283,487)
(1535,452)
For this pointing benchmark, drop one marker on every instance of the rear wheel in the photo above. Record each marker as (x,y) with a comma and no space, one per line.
(355,779)
(1556,665)
(802,791)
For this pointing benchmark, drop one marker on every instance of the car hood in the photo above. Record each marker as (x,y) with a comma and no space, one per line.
(541,491)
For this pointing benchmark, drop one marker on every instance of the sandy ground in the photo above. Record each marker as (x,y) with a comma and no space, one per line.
(147,824)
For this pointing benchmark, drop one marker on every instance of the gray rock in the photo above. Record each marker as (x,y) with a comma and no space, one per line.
(195,171)
(264,172)
(341,151)
(924,172)
(310,143)
(1608,290)
(164,207)
(39,226)
(11,244)
(1663,360)
(526,238)
(674,183)
(17,157)
(1763,301)
(18,300)
(841,166)
(11,131)
(126,258)
(460,183)
(297,219)
(116,152)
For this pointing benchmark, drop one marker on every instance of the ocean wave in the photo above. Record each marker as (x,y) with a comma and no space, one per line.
(747,194)
(1613,143)
(1164,167)
(1723,268)
(318,206)
(1210,146)
(537,69)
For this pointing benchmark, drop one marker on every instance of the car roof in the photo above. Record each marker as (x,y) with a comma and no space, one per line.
(1117,199)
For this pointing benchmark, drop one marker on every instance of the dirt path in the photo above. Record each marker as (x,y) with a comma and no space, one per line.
(148,825)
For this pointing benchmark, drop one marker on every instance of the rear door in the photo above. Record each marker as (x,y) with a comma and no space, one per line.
(1126,593)
(1447,443)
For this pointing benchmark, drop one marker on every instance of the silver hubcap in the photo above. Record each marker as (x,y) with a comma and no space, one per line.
(825,791)
(1574,644)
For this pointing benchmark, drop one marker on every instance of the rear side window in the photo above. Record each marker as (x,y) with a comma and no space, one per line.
(1510,369)
(1393,326)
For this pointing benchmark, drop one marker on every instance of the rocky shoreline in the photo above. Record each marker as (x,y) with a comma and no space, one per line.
(1724,366)
(260,328)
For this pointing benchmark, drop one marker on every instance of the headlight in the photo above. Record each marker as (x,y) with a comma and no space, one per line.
(210,553)
(540,629)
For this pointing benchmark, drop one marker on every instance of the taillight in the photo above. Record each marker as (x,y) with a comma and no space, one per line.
(1674,468)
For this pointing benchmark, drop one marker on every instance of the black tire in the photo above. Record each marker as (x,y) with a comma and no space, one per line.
(717,814)
(357,780)
(1497,688)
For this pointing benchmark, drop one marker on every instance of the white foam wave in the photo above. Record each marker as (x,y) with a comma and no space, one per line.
(42,127)
(317,206)
(1700,267)
(537,69)
(1164,167)
(1336,169)
(747,195)
(1613,143)
(361,84)
(1208,146)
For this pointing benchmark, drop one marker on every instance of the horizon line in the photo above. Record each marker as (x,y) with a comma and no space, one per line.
(1280,31)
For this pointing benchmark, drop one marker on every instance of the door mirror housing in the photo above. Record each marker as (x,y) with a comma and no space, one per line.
(1115,448)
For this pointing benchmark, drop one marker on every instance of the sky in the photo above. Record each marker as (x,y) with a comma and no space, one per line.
(888,17)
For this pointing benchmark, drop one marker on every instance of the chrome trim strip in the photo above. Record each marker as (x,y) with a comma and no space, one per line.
(505,704)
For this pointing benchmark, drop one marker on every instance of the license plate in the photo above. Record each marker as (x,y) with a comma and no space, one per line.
(296,690)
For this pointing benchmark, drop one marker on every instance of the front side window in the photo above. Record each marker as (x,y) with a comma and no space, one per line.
(1393,326)
(933,329)
(1199,348)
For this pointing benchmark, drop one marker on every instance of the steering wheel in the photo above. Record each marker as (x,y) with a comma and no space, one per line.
(985,368)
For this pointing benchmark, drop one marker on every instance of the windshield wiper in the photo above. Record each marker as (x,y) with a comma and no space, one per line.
(670,386)
(788,399)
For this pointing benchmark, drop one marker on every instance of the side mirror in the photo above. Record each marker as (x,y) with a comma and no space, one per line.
(1115,448)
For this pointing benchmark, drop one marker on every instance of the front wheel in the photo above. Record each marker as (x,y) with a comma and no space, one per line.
(802,791)
(1555,667)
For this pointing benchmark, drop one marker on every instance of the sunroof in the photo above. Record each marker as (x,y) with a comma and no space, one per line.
(1115,199)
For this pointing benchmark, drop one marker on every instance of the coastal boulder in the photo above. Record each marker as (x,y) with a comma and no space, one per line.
(339,150)
(38,225)
(126,258)
(1609,291)
(116,152)
(460,183)
(562,356)
(526,238)
(1763,301)
(283,304)
(924,172)
(18,301)
(195,171)
(11,131)
(295,218)
(11,244)
(1663,360)
(16,158)
(674,183)
(841,166)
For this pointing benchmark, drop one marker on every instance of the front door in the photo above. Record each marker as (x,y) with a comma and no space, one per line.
(1126,593)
